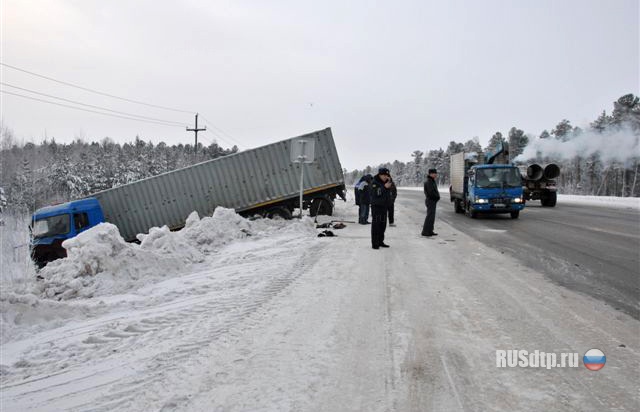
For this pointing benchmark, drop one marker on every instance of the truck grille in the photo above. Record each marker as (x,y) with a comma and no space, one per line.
(504,200)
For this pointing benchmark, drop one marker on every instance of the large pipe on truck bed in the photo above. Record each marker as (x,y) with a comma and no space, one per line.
(535,172)
(551,171)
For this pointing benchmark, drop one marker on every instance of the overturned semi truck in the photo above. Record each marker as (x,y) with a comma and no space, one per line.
(538,183)
(262,181)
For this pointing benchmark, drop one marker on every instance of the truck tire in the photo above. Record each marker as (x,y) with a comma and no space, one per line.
(321,206)
(471,213)
(549,200)
(515,214)
(279,212)
(457,206)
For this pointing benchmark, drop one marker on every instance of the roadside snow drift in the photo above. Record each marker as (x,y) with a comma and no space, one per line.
(101,263)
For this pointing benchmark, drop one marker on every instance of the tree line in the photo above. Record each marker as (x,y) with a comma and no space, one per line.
(35,175)
(583,171)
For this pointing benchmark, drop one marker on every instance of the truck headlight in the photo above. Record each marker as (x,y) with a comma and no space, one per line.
(482,201)
(517,200)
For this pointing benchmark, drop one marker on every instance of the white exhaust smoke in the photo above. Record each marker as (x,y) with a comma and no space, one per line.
(612,146)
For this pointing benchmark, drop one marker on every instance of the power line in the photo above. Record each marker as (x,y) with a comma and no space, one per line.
(95,91)
(220,131)
(218,137)
(210,140)
(88,110)
(90,105)
(211,125)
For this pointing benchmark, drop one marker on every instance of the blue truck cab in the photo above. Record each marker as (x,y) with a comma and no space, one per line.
(52,225)
(494,188)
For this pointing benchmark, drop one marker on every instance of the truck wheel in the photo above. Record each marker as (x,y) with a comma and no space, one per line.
(457,206)
(321,206)
(471,213)
(549,200)
(515,214)
(279,212)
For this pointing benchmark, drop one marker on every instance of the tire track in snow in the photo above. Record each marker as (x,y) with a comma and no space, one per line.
(162,336)
(174,368)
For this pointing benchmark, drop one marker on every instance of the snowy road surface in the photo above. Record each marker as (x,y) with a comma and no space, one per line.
(294,322)
(584,246)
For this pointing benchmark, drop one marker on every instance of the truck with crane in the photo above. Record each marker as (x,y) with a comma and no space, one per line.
(486,183)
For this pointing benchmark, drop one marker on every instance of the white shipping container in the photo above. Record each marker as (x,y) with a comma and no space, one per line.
(457,172)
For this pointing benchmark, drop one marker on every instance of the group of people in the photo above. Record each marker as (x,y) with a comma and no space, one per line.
(377,194)
(363,198)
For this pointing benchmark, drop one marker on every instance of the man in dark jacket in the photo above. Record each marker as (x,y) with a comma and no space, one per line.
(364,199)
(432,196)
(356,193)
(380,200)
(394,194)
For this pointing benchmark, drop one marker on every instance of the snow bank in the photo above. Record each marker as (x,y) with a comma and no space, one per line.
(101,263)
(102,251)
(608,201)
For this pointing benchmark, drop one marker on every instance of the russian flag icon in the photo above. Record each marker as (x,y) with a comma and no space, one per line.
(594,359)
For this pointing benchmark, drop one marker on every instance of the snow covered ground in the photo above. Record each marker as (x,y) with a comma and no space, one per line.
(238,315)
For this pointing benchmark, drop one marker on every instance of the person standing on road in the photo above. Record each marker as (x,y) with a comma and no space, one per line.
(432,196)
(363,191)
(356,193)
(380,201)
(394,194)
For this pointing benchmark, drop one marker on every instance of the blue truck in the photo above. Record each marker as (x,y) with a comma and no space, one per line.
(262,181)
(486,183)
(52,225)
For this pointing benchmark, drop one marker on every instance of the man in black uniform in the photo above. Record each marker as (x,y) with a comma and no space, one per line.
(380,200)
(394,195)
(432,196)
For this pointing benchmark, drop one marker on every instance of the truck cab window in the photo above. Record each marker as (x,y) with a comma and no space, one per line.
(80,220)
(50,226)
(483,178)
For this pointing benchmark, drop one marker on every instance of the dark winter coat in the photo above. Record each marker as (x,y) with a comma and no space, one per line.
(365,194)
(363,190)
(356,191)
(380,195)
(394,192)
(431,189)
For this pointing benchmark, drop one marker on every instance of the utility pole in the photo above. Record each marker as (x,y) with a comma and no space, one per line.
(196,130)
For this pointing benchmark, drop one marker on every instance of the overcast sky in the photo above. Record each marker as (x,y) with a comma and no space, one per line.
(388,77)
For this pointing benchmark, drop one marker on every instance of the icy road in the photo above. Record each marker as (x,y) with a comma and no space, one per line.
(285,321)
